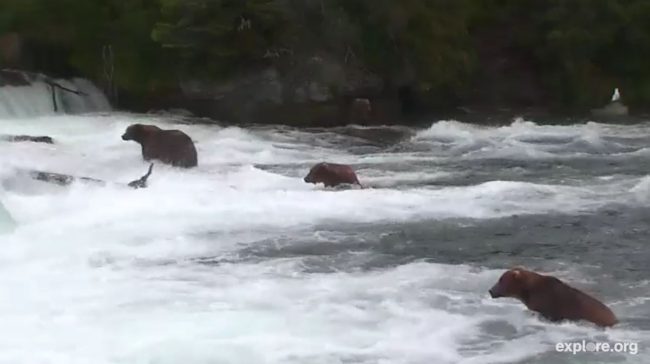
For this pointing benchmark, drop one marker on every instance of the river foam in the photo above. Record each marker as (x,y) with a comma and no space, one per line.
(240,261)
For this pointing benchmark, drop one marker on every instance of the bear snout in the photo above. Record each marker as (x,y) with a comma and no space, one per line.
(125,137)
(494,292)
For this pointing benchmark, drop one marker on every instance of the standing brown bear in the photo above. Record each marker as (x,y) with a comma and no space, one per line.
(168,146)
(332,175)
(552,298)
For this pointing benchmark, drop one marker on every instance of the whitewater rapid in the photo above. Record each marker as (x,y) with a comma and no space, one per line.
(240,261)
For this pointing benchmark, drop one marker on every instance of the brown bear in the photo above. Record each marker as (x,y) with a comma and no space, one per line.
(332,175)
(552,298)
(168,146)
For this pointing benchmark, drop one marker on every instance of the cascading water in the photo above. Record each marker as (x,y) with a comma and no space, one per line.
(38,96)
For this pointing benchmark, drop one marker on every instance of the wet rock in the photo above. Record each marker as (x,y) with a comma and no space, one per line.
(613,109)
(14,78)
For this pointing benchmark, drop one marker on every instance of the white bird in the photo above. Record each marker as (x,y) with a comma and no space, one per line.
(616,96)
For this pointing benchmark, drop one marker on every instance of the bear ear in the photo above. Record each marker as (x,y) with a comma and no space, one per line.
(517,271)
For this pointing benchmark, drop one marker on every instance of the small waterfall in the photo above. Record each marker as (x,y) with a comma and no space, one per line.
(25,95)
(91,99)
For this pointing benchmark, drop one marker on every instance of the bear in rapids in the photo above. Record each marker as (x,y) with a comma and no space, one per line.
(168,146)
(553,299)
(332,175)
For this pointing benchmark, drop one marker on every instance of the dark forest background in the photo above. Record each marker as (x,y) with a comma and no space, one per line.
(302,55)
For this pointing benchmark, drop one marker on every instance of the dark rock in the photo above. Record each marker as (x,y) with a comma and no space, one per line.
(307,90)
(14,78)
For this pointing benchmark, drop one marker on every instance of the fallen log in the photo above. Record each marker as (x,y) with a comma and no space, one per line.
(66,179)
(54,85)
(62,179)
(27,138)
(142,181)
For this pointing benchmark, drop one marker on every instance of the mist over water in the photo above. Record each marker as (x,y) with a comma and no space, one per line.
(240,261)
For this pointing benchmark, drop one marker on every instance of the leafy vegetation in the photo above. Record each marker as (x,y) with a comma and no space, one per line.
(578,49)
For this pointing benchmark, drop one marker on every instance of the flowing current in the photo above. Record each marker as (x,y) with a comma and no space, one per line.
(239,261)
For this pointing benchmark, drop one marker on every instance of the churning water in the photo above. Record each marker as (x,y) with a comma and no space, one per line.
(239,261)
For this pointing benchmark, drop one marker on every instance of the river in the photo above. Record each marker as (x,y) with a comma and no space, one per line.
(239,261)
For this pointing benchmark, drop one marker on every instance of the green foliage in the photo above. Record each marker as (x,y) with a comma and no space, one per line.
(422,40)
(219,36)
(82,29)
(579,49)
